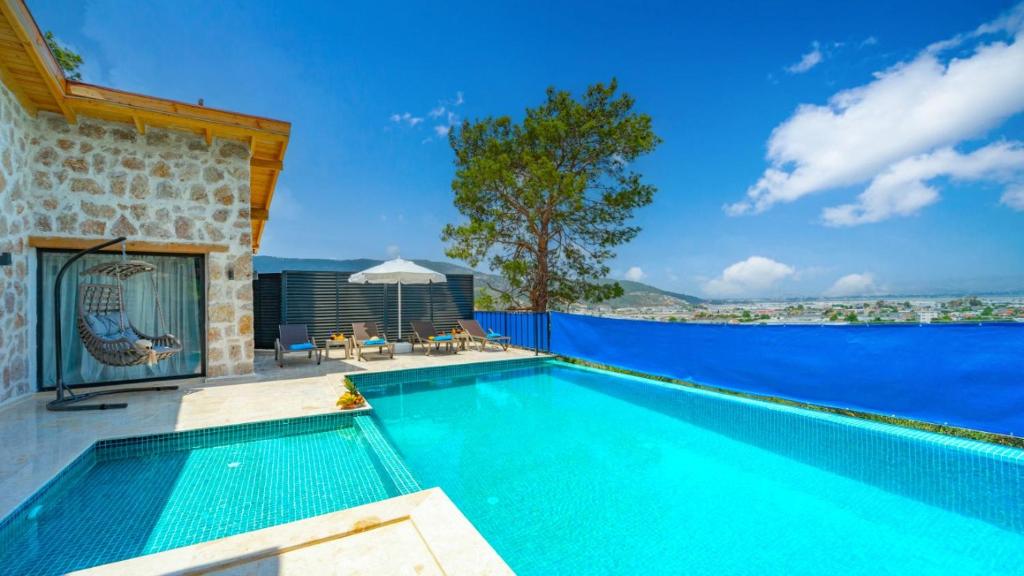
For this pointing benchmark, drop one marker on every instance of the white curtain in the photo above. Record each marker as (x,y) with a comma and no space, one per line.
(180,288)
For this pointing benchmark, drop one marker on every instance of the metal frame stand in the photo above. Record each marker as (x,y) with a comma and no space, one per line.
(67,400)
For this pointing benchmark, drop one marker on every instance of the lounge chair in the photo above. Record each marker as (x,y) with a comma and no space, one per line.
(477,334)
(425,334)
(367,335)
(294,338)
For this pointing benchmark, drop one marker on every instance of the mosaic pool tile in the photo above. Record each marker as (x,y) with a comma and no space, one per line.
(134,496)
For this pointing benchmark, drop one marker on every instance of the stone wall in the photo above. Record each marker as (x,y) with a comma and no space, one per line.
(97,180)
(15,127)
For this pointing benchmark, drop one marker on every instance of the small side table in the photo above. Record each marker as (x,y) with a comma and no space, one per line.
(462,338)
(332,343)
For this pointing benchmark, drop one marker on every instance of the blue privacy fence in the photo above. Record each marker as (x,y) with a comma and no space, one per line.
(525,329)
(964,375)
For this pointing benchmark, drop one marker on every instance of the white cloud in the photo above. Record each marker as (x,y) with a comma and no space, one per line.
(869,41)
(405,117)
(903,188)
(853,285)
(807,61)
(1014,197)
(393,251)
(443,112)
(751,277)
(910,109)
(635,273)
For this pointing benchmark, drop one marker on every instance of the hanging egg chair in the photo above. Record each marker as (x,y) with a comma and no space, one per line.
(104,327)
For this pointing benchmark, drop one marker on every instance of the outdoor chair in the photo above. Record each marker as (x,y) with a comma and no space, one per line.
(425,334)
(477,334)
(367,335)
(294,338)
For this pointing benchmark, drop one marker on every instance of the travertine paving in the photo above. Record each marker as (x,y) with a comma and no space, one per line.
(37,443)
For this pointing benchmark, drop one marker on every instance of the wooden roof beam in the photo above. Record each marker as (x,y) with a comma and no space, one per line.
(191,113)
(140,126)
(63,243)
(35,45)
(259,214)
(266,163)
(160,119)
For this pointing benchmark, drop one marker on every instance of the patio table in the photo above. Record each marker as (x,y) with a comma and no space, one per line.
(332,343)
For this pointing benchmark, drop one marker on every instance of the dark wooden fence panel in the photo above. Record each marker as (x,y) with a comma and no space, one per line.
(266,309)
(326,302)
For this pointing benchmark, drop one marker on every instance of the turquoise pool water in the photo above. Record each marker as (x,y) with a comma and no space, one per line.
(572,471)
(143,495)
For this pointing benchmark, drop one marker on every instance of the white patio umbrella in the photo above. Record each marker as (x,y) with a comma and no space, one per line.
(397,271)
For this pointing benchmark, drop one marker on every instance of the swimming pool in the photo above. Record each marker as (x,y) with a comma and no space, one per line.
(135,496)
(567,470)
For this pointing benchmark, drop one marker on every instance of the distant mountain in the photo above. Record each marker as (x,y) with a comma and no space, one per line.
(636,294)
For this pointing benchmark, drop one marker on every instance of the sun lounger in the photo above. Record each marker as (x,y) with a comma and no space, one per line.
(367,335)
(426,335)
(294,338)
(477,334)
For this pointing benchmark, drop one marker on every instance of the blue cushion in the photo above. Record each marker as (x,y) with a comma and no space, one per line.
(108,327)
(493,335)
(302,346)
(104,325)
(375,342)
(443,338)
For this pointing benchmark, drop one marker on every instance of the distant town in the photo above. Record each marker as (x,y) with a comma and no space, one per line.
(882,311)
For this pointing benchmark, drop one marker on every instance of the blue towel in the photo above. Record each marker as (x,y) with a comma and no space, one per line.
(302,346)
(493,335)
(444,338)
(375,342)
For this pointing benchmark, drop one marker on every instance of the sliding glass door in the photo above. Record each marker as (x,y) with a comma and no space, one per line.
(180,287)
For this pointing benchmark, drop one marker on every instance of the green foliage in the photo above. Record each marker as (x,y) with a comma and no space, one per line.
(484,300)
(548,199)
(851,317)
(68,60)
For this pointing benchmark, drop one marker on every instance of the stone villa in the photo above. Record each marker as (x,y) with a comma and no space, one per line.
(189,187)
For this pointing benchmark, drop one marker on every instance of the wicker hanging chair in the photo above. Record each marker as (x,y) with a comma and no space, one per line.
(104,327)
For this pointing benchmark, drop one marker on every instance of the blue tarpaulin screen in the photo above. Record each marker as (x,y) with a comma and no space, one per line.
(964,375)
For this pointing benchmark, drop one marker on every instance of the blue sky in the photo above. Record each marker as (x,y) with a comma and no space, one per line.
(811,148)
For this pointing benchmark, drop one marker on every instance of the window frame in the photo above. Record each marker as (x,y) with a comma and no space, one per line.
(42,292)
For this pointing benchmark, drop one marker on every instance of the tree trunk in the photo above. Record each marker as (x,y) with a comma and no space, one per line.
(539,290)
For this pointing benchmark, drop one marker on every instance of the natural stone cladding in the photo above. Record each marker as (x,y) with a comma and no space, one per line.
(14,225)
(98,179)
